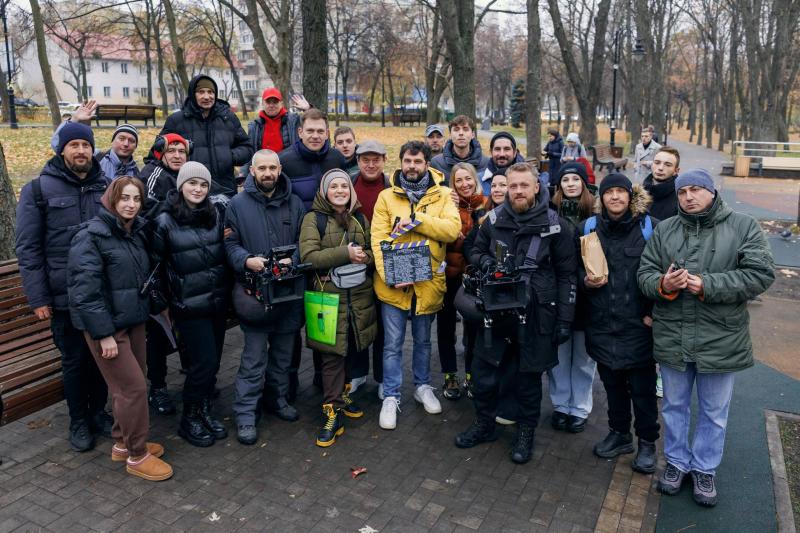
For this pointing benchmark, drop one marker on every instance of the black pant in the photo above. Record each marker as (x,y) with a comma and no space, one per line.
(158,348)
(360,363)
(84,387)
(446,329)
(637,385)
(205,338)
(527,387)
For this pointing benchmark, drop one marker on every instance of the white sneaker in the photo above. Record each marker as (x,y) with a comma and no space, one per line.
(388,418)
(355,383)
(424,395)
(380,391)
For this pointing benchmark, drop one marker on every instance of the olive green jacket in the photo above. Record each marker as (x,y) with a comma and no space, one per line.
(729,251)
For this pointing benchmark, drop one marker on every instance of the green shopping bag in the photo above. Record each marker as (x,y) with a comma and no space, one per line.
(322,312)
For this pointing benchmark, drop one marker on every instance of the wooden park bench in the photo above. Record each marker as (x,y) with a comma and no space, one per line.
(603,157)
(125,113)
(410,116)
(30,364)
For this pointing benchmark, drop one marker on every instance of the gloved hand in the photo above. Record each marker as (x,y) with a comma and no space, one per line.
(563,332)
(488,265)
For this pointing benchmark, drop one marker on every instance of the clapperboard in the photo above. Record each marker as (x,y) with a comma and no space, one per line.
(406,262)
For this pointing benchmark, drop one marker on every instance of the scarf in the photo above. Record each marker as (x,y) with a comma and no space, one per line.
(415,190)
(272,137)
(309,155)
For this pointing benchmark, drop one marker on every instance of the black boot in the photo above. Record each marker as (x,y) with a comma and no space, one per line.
(213,425)
(522,451)
(334,426)
(482,430)
(192,429)
(80,435)
(614,444)
(645,460)
(160,401)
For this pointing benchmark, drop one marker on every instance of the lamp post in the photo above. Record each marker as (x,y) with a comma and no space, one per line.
(638,53)
(12,110)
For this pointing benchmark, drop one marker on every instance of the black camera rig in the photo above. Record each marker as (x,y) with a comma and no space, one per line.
(279,282)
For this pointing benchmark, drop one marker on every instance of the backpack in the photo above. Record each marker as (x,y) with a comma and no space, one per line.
(38,197)
(646,225)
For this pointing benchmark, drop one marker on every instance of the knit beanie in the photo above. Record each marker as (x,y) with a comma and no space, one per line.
(126,128)
(616,180)
(503,135)
(205,83)
(695,176)
(193,169)
(72,131)
(573,167)
(331,175)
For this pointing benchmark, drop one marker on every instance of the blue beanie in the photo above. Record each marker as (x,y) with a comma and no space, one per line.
(72,131)
(695,176)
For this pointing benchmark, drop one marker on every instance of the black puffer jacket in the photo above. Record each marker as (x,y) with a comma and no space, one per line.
(107,269)
(305,168)
(220,143)
(552,285)
(616,336)
(191,251)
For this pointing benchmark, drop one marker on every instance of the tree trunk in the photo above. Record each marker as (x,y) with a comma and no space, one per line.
(371,107)
(177,48)
(237,82)
(459,34)
(315,53)
(6,107)
(8,207)
(160,71)
(533,86)
(44,63)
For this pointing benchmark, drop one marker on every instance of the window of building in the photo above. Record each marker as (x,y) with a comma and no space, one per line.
(126,92)
(124,67)
(88,64)
(249,84)
(106,91)
(104,66)
(143,91)
(89,91)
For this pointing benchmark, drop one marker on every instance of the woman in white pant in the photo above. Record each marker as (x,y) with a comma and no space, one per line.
(571,381)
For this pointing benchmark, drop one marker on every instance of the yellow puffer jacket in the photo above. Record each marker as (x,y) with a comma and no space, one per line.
(440,224)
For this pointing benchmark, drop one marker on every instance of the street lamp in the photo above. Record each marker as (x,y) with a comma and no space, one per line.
(638,53)
(12,110)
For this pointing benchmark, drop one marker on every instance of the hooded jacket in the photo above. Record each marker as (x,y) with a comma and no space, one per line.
(108,267)
(44,233)
(305,168)
(445,161)
(665,199)
(731,254)
(440,225)
(616,335)
(357,305)
(220,143)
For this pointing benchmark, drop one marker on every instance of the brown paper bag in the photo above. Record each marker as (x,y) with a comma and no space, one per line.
(594,260)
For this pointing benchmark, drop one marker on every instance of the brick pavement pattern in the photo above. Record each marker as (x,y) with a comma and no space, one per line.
(417,480)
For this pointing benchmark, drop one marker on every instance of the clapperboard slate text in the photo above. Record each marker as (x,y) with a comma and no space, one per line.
(406,262)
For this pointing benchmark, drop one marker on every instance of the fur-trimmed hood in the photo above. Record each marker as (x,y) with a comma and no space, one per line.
(640,201)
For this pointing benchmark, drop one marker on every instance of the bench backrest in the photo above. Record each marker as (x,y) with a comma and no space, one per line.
(131,111)
(602,151)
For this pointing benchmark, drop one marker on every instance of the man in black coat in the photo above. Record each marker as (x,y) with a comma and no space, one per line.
(50,210)
(661,183)
(220,143)
(266,214)
(533,234)
(619,327)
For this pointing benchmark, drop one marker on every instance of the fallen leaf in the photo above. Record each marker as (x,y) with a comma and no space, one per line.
(356,471)
(214,517)
(39,423)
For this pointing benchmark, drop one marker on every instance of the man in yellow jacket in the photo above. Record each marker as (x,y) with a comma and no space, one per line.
(417,209)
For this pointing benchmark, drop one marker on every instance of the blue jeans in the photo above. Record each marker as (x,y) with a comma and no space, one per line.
(394,327)
(571,380)
(714,393)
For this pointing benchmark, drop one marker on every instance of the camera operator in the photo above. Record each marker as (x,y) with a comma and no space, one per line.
(263,216)
(533,234)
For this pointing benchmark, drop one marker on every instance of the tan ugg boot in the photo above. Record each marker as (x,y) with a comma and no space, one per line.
(150,468)
(119,453)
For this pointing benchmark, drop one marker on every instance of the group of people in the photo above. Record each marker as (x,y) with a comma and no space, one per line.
(129,264)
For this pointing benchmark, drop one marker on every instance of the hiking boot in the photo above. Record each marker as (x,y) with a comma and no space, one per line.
(334,426)
(149,467)
(559,421)
(576,424)
(389,410)
(350,409)
(80,436)
(671,480)
(481,430)
(283,410)
(101,424)
(451,389)
(467,385)
(704,491)
(160,401)
(214,426)
(614,444)
(645,460)
(192,429)
(522,450)
(424,395)
(247,434)
(119,453)
(355,383)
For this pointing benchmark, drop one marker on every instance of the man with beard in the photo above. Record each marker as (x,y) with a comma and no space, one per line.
(263,216)
(534,236)
(661,183)
(503,148)
(434,138)
(462,147)
(51,208)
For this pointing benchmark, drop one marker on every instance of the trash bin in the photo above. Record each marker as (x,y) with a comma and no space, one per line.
(741,166)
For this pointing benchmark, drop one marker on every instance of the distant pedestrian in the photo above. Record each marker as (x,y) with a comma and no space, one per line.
(553,150)
(573,150)
(644,154)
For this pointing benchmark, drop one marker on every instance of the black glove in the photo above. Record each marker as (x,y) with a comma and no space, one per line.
(563,332)
(488,265)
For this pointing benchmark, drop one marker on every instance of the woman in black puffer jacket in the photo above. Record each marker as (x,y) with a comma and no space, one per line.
(188,244)
(108,270)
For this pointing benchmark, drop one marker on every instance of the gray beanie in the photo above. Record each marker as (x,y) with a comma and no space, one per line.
(695,176)
(193,169)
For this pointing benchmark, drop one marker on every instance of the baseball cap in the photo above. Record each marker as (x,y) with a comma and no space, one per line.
(370,147)
(434,127)
(272,92)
